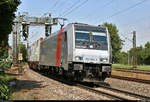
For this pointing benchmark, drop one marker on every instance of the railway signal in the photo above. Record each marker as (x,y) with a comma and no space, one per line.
(25,30)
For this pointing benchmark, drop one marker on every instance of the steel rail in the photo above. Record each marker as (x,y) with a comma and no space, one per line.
(125,92)
(109,95)
(101,92)
(82,86)
(131,79)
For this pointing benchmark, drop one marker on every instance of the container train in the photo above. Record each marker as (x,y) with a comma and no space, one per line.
(79,52)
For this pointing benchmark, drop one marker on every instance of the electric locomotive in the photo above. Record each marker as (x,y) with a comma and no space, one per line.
(78,52)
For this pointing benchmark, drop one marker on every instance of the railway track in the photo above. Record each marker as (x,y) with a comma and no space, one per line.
(126,93)
(103,90)
(131,79)
(113,93)
(111,96)
(139,76)
(133,71)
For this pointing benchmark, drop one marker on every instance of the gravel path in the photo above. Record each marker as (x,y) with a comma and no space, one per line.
(139,88)
(32,86)
(36,86)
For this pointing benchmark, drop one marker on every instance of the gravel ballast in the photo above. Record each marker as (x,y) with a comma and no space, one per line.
(53,90)
(135,87)
(34,86)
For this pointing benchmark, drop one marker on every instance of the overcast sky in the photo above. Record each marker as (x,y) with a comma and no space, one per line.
(127,15)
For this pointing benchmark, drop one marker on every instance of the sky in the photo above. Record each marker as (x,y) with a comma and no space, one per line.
(127,15)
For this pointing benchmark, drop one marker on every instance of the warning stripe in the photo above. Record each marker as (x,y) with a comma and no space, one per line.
(58,50)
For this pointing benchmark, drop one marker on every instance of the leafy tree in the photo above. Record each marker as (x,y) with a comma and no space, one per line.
(116,42)
(123,58)
(139,54)
(23,50)
(147,45)
(147,53)
(4,52)
(7,15)
(142,54)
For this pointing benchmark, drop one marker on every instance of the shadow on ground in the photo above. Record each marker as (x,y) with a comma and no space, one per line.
(27,85)
(12,74)
(73,83)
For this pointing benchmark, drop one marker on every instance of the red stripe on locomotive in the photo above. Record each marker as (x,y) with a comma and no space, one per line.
(58,50)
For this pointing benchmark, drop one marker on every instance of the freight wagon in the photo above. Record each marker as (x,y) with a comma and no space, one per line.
(78,52)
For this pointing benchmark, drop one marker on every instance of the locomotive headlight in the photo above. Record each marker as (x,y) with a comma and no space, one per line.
(91,46)
(103,59)
(78,58)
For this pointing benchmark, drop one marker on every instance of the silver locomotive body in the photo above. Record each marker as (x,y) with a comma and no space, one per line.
(78,51)
(34,54)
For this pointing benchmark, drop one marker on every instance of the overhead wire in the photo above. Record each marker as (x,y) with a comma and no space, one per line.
(127,44)
(55,4)
(124,10)
(136,21)
(125,37)
(106,4)
(78,1)
(75,8)
(52,8)
(59,5)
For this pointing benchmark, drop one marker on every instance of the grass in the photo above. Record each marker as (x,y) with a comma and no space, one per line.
(121,66)
(142,67)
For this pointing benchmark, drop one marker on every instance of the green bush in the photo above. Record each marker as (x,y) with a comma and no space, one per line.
(4,65)
(5,91)
(23,63)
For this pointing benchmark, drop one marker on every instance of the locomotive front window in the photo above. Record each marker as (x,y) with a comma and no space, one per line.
(84,39)
(101,39)
(82,36)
